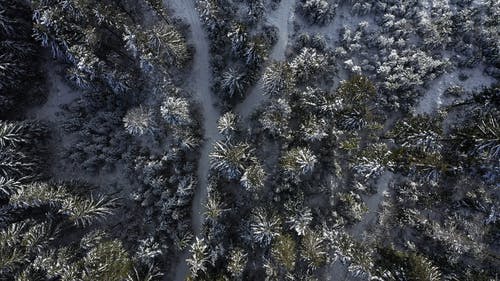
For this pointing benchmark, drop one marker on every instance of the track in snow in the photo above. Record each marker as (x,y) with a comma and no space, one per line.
(199,83)
(282,18)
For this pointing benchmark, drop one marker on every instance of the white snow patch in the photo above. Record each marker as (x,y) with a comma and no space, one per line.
(433,98)
(59,93)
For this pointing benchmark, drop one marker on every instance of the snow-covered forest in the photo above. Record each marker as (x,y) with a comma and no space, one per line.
(159,140)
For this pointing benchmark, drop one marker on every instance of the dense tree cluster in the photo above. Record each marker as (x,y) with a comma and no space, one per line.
(18,58)
(318,11)
(36,218)
(448,35)
(338,153)
(59,230)
(239,44)
(339,168)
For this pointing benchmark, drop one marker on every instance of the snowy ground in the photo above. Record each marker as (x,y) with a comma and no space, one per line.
(373,204)
(199,83)
(59,93)
(433,99)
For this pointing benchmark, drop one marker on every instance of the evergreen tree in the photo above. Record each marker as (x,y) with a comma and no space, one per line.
(233,82)
(265,227)
(308,65)
(199,258)
(298,162)
(318,11)
(230,159)
(254,177)
(277,79)
(175,111)
(139,121)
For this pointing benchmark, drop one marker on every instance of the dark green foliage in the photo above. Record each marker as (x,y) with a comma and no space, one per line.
(420,144)
(88,35)
(357,98)
(102,140)
(18,62)
(21,144)
(318,11)
(399,266)
(18,133)
(479,136)
(161,46)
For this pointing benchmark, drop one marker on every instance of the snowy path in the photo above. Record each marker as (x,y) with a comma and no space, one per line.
(199,83)
(282,18)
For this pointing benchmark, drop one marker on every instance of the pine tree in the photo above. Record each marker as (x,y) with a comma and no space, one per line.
(298,162)
(35,242)
(80,211)
(300,220)
(308,65)
(199,257)
(357,96)
(480,136)
(16,164)
(238,37)
(313,129)
(265,227)
(318,11)
(108,260)
(161,46)
(395,265)
(313,250)
(351,206)
(214,208)
(254,177)
(139,121)
(227,124)
(255,51)
(237,263)
(17,133)
(284,252)
(420,145)
(277,79)
(230,159)
(276,117)
(18,55)
(233,82)
(175,111)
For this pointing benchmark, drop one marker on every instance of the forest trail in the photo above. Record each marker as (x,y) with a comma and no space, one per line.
(282,18)
(199,83)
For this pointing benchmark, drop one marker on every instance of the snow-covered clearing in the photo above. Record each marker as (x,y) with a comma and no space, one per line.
(59,93)
(330,31)
(433,98)
(282,18)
